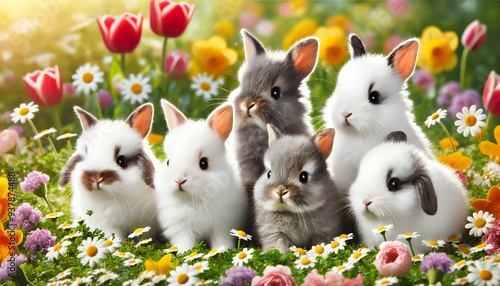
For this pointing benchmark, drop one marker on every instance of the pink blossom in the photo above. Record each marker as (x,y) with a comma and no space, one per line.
(493,238)
(10,77)
(334,279)
(177,63)
(423,79)
(275,275)
(285,10)
(265,27)
(398,7)
(248,20)
(393,259)
(69,89)
(105,98)
(474,35)
(8,140)
(391,42)
(369,41)
(314,279)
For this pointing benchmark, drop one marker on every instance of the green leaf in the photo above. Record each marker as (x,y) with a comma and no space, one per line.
(115,70)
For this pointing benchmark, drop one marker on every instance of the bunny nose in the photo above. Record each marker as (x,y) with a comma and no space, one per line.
(281,194)
(367,204)
(180,183)
(346,117)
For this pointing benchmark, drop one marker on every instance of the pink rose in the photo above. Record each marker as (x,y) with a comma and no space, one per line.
(8,140)
(493,237)
(314,279)
(393,259)
(334,279)
(275,275)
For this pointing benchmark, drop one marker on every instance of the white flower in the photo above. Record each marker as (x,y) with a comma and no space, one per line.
(132,262)
(58,249)
(107,277)
(470,121)
(243,257)
(492,167)
(206,283)
(357,255)
(462,249)
(113,243)
(100,271)
(54,215)
(408,235)
(23,112)
(139,232)
(386,281)
(44,133)
(460,281)
(86,78)
(59,283)
(436,117)
(417,257)
(147,274)
(305,262)
(240,234)
(214,252)
(159,278)
(67,226)
(136,88)
(83,280)
(126,255)
(344,267)
(73,235)
(344,237)
(144,241)
(183,275)
(455,238)
(66,136)
(481,247)
(201,267)
(483,273)
(61,275)
(459,265)
(92,251)
(479,223)
(482,180)
(205,85)
(336,245)
(171,249)
(434,244)
(320,250)
(382,229)
(297,251)
(193,256)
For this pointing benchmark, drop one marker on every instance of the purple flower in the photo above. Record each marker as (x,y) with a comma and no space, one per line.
(447,92)
(437,260)
(105,98)
(423,79)
(39,240)
(26,217)
(10,266)
(467,98)
(237,276)
(34,180)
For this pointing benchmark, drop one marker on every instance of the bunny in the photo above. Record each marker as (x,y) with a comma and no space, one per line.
(370,101)
(112,174)
(272,90)
(199,196)
(399,184)
(296,200)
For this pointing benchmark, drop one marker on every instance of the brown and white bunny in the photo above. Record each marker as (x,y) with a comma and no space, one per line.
(296,201)
(111,173)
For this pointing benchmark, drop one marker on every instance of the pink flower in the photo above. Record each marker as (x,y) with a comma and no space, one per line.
(10,77)
(105,98)
(121,34)
(314,279)
(493,238)
(44,87)
(491,94)
(248,20)
(369,41)
(275,275)
(177,63)
(474,35)
(423,79)
(334,279)
(265,27)
(398,7)
(8,140)
(393,259)
(170,19)
(390,43)
(285,10)
(69,89)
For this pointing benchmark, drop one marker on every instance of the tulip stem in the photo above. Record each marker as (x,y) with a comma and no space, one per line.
(51,143)
(449,137)
(36,133)
(123,63)
(98,104)
(488,122)
(463,62)
(57,118)
(163,55)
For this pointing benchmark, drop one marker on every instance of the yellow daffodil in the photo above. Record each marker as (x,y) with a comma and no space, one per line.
(155,138)
(299,7)
(304,28)
(456,161)
(162,266)
(225,28)
(339,20)
(437,50)
(333,47)
(446,145)
(491,149)
(213,55)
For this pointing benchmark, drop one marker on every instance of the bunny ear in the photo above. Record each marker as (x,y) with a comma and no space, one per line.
(141,119)
(404,58)
(396,137)
(324,140)
(251,45)
(65,175)
(173,115)
(221,120)
(356,47)
(304,55)
(273,133)
(146,166)
(425,188)
(86,118)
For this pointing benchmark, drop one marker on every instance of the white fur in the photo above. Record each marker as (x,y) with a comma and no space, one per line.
(402,208)
(124,203)
(213,201)
(369,123)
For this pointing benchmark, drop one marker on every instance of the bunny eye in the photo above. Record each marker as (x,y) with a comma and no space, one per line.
(374,97)
(393,184)
(275,92)
(269,175)
(204,163)
(168,162)
(303,177)
(121,161)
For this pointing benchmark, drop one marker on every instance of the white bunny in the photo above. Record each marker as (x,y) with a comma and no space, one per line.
(399,184)
(370,101)
(112,174)
(199,196)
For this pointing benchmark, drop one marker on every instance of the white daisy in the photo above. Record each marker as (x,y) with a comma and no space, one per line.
(23,112)
(205,85)
(436,117)
(462,249)
(132,262)
(482,179)
(408,235)
(434,244)
(100,271)
(357,255)
(305,262)
(126,255)
(492,168)
(139,232)
(479,223)
(460,281)
(66,136)
(144,241)
(483,273)
(320,250)
(67,226)
(470,121)
(455,238)
(133,282)
(193,256)
(113,243)
(342,268)
(344,237)
(58,249)
(107,277)
(382,229)
(459,265)
(386,281)
(481,247)
(147,274)
(86,78)
(336,245)
(159,278)
(136,88)
(297,251)
(417,258)
(206,283)
(92,251)
(171,249)
(243,257)
(201,267)
(54,215)
(73,235)
(82,280)
(240,234)
(214,252)
(61,275)
(44,133)
(183,275)
(59,283)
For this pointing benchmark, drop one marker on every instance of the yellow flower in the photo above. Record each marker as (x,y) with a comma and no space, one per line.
(446,145)
(339,20)
(4,199)
(155,138)
(299,7)
(333,47)
(456,161)
(437,50)
(162,266)
(304,28)
(491,149)
(225,28)
(213,55)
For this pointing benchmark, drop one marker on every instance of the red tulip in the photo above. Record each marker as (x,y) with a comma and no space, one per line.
(170,19)
(177,64)
(491,94)
(474,35)
(44,87)
(121,34)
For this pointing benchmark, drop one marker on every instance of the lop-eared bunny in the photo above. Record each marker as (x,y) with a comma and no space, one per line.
(111,173)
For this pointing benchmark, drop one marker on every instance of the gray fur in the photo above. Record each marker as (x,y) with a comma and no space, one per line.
(424,187)
(395,137)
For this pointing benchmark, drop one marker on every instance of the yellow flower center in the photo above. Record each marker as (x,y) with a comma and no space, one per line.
(45,131)
(305,261)
(139,230)
(300,251)
(385,282)
(480,222)
(106,277)
(136,88)
(71,234)
(464,248)
(408,234)
(242,233)
(496,260)
(319,249)
(340,268)
(242,255)
(121,253)
(470,120)
(460,263)
(108,242)
(91,251)
(57,247)
(173,248)
(343,236)
(485,275)
(132,261)
(182,279)
(87,77)
(335,244)
(463,280)
(52,215)
(382,228)
(193,254)
(198,267)
(435,116)
(213,251)
(205,86)
(24,111)
(417,257)
(485,176)
(454,237)
(433,243)
(357,255)
(438,52)
(481,246)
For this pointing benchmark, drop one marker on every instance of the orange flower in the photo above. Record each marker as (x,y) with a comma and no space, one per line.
(340,20)
(162,266)
(213,55)
(4,199)
(456,161)
(491,204)
(5,246)
(333,48)
(446,145)
(491,149)
(304,28)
